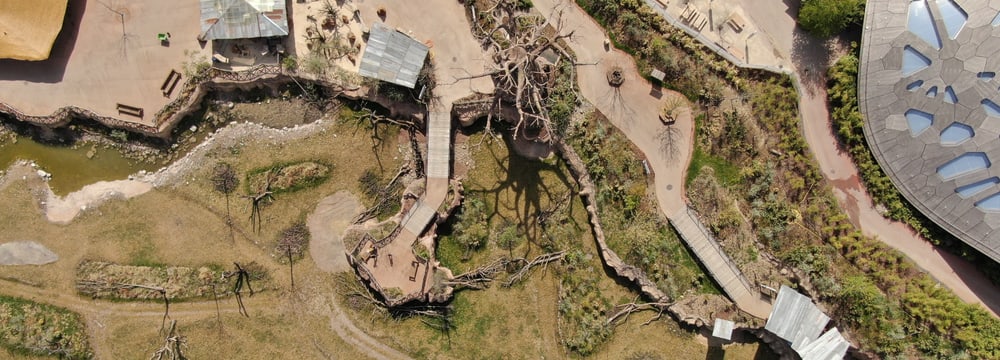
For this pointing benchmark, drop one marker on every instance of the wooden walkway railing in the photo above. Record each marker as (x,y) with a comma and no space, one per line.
(719,265)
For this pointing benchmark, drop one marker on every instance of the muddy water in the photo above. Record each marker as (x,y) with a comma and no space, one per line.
(70,168)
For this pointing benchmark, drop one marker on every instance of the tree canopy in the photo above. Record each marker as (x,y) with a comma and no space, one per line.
(826,18)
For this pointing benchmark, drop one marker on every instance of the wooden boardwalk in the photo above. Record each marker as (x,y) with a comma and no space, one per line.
(438,174)
(439,144)
(719,265)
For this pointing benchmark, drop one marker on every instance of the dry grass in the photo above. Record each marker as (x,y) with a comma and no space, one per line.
(523,321)
(185,226)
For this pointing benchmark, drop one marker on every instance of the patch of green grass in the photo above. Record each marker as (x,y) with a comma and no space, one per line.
(135,239)
(727,173)
(288,176)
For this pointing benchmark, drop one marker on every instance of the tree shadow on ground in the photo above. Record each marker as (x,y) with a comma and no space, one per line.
(810,59)
(532,189)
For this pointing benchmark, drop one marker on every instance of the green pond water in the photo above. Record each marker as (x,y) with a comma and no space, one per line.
(70,167)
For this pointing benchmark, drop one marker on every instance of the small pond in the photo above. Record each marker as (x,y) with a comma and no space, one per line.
(70,167)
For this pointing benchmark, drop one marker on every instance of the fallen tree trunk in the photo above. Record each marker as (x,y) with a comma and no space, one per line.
(538,260)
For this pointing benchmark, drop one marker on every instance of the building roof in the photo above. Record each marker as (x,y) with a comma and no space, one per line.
(795,318)
(927,88)
(830,346)
(242,19)
(392,56)
(723,329)
(29,28)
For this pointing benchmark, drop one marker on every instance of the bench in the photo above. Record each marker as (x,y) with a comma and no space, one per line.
(416,269)
(170,83)
(129,110)
(736,23)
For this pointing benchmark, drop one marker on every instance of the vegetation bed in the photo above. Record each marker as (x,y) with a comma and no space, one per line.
(288,177)
(889,307)
(106,280)
(32,328)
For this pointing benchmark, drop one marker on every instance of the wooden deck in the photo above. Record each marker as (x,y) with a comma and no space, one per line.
(719,265)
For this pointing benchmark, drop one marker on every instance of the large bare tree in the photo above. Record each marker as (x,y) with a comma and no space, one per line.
(225,181)
(292,243)
(521,74)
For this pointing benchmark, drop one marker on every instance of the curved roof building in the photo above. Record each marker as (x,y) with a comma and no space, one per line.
(929,91)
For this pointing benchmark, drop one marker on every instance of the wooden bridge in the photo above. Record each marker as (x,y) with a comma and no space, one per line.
(719,265)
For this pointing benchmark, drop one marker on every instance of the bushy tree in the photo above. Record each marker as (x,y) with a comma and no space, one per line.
(825,18)
(472,229)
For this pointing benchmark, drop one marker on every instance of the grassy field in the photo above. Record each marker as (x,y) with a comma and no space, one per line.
(184,225)
(525,321)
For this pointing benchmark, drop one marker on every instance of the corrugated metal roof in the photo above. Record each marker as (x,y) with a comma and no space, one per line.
(830,346)
(795,318)
(392,56)
(723,329)
(242,19)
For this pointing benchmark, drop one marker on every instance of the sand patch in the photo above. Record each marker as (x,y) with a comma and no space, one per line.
(26,253)
(62,210)
(326,224)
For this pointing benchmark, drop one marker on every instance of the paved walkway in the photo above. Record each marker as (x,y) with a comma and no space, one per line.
(634,108)
(108,53)
(807,63)
(729,27)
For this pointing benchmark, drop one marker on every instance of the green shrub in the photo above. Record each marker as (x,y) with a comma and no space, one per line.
(39,329)
(825,18)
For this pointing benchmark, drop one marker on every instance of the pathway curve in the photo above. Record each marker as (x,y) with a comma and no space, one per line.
(634,108)
(809,62)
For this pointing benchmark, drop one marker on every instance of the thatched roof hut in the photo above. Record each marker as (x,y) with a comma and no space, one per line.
(29,28)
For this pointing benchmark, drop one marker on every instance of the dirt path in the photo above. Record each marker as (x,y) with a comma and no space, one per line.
(95,312)
(351,334)
(332,215)
(953,272)
(633,107)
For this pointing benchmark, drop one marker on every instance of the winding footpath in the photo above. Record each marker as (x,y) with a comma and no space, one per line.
(809,61)
(634,108)
(837,166)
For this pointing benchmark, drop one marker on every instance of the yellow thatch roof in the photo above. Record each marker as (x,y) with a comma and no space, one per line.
(28,28)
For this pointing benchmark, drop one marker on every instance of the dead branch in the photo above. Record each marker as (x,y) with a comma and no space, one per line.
(264,194)
(172,345)
(357,289)
(520,72)
(481,277)
(624,310)
(242,279)
(543,259)
(383,198)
